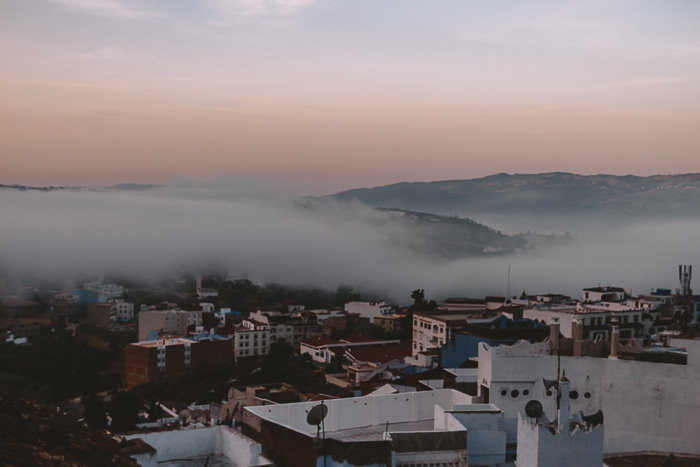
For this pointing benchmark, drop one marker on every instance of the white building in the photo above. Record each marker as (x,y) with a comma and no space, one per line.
(251,339)
(432,330)
(123,311)
(219,445)
(322,349)
(596,318)
(322,316)
(573,441)
(108,291)
(465,304)
(369,310)
(399,430)
(648,406)
(171,321)
(207,307)
(208,293)
(292,328)
(606,294)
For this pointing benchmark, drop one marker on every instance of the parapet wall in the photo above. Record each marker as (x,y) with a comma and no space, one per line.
(344,414)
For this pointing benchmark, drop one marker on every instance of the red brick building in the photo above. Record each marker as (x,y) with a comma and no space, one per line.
(151,361)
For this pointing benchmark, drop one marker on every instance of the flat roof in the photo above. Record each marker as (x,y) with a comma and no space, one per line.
(376,432)
(168,341)
(446,317)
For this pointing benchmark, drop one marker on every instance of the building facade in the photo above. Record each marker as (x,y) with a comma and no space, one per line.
(152,361)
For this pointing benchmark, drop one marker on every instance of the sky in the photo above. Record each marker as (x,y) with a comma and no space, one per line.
(336,94)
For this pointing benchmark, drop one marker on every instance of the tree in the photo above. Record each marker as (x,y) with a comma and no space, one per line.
(124,411)
(279,355)
(419,304)
(418,297)
(95,413)
(344,294)
(336,364)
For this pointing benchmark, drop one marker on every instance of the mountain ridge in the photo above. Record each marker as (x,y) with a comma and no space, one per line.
(553,192)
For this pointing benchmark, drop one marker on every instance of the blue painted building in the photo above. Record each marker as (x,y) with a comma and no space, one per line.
(88,295)
(464,343)
(696,309)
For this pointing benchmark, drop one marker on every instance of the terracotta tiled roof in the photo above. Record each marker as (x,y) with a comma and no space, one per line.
(355,338)
(34,435)
(379,354)
(318,341)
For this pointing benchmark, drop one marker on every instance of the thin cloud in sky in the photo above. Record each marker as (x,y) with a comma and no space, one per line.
(105,53)
(259,7)
(653,81)
(114,8)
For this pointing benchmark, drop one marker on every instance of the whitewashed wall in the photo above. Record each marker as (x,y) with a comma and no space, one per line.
(647,406)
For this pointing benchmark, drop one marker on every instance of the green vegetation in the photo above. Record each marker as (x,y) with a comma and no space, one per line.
(95,413)
(419,304)
(58,367)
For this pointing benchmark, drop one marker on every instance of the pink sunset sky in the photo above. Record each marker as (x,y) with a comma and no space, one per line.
(335,94)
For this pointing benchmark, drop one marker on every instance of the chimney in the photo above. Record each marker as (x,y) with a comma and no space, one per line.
(554,336)
(576,330)
(517,313)
(564,409)
(577,336)
(614,339)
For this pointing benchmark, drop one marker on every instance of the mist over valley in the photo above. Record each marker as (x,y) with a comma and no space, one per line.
(249,227)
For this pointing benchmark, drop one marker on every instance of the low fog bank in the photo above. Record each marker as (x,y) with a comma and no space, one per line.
(263,232)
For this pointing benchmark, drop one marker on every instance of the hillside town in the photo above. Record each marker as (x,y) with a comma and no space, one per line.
(227,372)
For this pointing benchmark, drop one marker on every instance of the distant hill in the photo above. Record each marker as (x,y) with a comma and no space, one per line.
(120,187)
(558,192)
(436,236)
(456,237)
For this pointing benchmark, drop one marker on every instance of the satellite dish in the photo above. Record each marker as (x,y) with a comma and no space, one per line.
(317,414)
(534,409)
(593,419)
(550,383)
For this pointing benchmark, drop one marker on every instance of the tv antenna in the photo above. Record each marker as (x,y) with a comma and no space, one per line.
(508,287)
